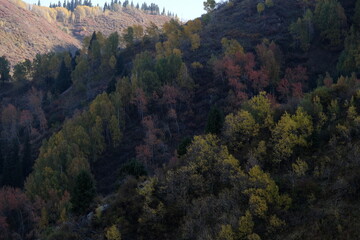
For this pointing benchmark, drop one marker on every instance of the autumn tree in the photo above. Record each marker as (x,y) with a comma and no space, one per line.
(290,132)
(239,129)
(18,216)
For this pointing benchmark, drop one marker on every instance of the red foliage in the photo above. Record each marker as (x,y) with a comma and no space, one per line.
(152,140)
(35,99)
(170,95)
(17,214)
(283,88)
(294,83)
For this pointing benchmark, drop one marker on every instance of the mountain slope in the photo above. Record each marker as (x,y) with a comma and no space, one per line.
(26,30)
(23,34)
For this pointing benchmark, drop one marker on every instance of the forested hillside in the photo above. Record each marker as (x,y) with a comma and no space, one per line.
(241,124)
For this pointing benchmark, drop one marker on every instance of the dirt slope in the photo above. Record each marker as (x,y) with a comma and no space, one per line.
(23,33)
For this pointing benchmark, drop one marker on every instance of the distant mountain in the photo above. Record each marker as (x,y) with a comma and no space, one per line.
(26,30)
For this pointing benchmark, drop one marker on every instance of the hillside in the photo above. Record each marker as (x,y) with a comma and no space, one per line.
(25,32)
(242,124)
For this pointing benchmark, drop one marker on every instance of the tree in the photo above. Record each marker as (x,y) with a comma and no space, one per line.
(18,216)
(290,132)
(356,17)
(330,18)
(4,69)
(209,5)
(63,80)
(12,171)
(215,121)
(302,30)
(83,192)
(113,233)
(22,71)
(240,128)
(260,8)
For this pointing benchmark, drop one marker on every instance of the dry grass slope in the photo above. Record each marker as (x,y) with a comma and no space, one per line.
(26,30)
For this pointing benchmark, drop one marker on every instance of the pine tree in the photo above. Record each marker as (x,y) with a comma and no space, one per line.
(4,69)
(12,173)
(83,192)
(26,158)
(215,121)
(63,80)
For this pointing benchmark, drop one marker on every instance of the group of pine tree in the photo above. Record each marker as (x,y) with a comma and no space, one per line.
(226,144)
(152,8)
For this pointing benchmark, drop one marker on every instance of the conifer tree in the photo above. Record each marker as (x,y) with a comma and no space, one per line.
(12,173)
(83,192)
(63,81)
(215,121)
(4,69)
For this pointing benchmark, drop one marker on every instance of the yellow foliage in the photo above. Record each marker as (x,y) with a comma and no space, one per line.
(300,167)
(48,13)
(113,233)
(197,65)
(138,32)
(62,14)
(231,47)
(291,131)
(226,233)
(246,224)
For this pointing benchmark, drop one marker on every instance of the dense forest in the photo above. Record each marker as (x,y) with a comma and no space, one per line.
(241,124)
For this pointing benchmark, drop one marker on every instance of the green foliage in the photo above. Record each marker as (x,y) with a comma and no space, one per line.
(330,18)
(128,36)
(302,30)
(12,170)
(63,80)
(215,121)
(356,17)
(134,168)
(182,148)
(209,5)
(4,69)
(349,60)
(83,192)
(22,70)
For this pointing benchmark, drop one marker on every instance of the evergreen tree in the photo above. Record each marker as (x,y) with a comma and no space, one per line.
(83,192)
(12,173)
(26,158)
(209,5)
(182,148)
(4,69)
(63,80)
(215,121)
(356,17)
